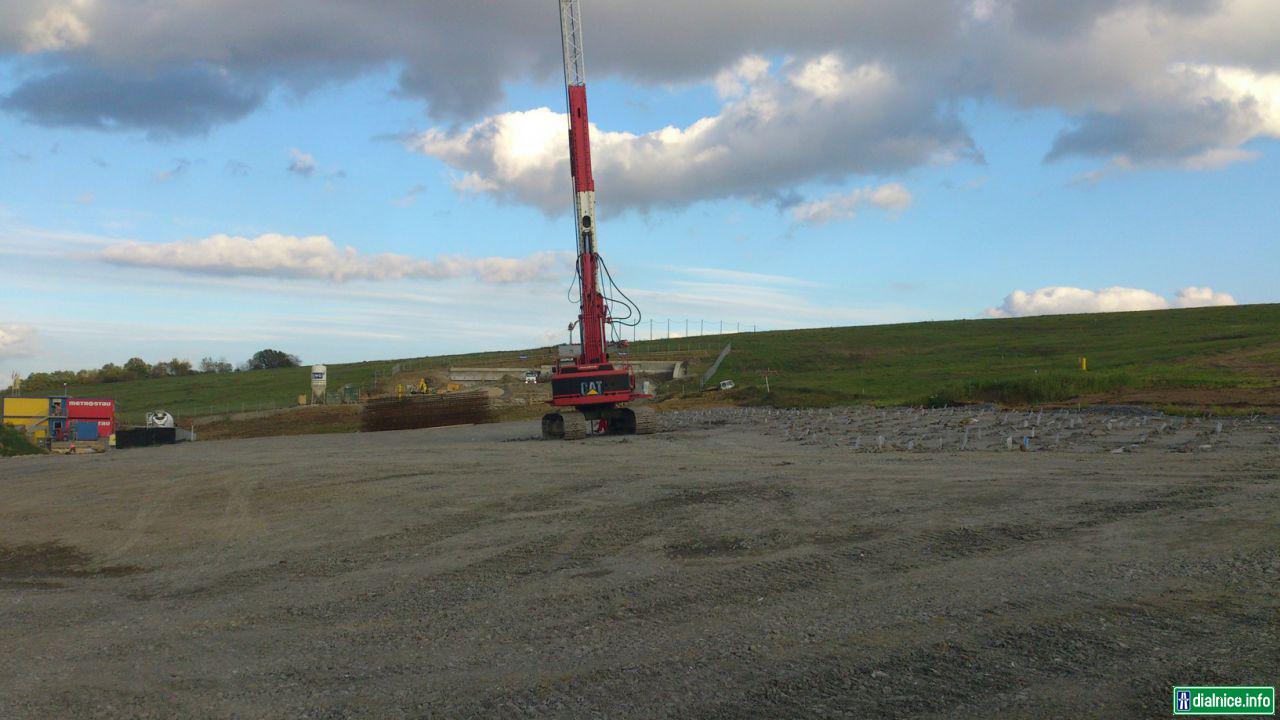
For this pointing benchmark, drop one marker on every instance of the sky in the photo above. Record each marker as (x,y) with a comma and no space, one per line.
(350,180)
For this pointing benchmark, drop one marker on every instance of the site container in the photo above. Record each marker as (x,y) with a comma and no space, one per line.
(26,407)
(145,437)
(100,410)
(29,413)
(59,417)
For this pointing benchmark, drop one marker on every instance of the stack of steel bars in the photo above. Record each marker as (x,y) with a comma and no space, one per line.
(426,411)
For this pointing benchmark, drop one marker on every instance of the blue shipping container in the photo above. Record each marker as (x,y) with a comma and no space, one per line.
(87,430)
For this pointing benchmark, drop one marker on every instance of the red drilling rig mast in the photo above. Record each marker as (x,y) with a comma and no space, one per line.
(587,390)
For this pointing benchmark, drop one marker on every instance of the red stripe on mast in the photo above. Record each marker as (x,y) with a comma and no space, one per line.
(580,140)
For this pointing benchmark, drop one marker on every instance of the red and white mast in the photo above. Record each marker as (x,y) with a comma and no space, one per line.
(593,315)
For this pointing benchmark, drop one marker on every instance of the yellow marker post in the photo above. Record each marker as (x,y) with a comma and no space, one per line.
(1084,364)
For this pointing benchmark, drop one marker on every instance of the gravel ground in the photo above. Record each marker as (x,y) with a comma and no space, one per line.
(746,563)
(1117,429)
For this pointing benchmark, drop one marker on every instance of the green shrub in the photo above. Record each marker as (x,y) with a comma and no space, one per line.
(1042,387)
(13,442)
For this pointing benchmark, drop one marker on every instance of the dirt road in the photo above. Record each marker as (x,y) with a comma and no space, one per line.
(736,568)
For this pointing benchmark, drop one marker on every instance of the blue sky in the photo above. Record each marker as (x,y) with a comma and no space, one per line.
(914,205)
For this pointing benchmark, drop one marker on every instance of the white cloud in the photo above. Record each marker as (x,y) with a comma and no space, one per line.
(178,169)
(60,28)
(737,80)
(1156,83)
(982,10)
(301,163)
(16,340)
(1195,117)
(821,117)
(891,196)
(1071,300)
(317,257)
(765,306)
(1202,297)
(739,276)
(410,196)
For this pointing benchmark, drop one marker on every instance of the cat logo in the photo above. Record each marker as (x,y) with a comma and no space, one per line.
(592,387)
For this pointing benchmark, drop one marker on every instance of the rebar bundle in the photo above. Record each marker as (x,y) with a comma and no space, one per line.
(427,411)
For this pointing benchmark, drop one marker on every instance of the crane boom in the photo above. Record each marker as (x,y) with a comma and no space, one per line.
(593,312)
(575,67)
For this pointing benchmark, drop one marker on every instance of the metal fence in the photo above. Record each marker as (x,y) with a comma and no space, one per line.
(206,412)
(672,328)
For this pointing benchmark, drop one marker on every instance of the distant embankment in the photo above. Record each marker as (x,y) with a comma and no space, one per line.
(1205,359)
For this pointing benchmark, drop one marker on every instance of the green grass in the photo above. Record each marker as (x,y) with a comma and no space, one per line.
(1024,361)
(197,395)
(214,394)
(13,443)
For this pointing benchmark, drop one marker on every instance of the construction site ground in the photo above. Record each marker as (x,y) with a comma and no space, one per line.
(747,563)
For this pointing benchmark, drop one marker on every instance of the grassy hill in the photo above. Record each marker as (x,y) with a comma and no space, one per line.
(13,442)
(210,394)
(1199,359)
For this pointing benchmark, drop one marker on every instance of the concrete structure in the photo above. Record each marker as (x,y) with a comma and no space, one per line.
(487,374)
(677,369)
(319,384)
(667,369)
(660,368)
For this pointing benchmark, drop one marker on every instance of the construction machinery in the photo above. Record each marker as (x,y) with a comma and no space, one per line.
(160,419)
(588,391)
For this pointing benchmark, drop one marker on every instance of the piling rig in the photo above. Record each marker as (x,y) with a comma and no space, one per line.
(589,393)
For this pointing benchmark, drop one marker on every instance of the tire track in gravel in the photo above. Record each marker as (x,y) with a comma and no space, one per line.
(549,553)
(709,584)
(955,543)
(381,549)
(656,599)
(986,670)
(614,529)
(490,513)
(446,592)
(989,671)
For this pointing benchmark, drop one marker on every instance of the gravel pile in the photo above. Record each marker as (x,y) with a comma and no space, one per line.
(991,429)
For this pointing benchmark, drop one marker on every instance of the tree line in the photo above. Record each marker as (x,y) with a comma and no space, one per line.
(38,383)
